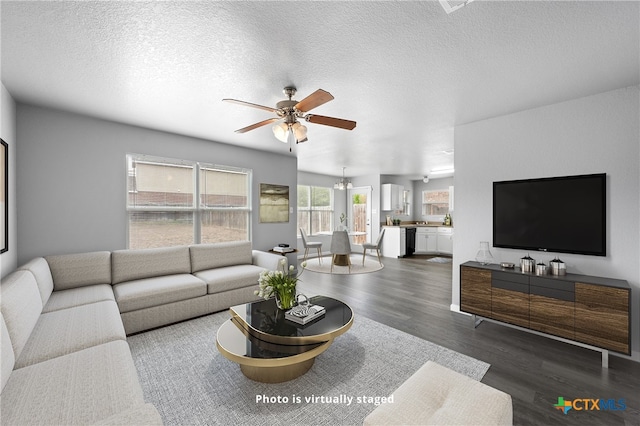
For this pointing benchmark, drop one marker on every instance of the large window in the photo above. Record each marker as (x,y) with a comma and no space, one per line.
(173,202)
(315,209)
(435,204)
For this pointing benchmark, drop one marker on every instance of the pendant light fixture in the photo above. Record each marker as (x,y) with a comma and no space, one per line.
(343,183)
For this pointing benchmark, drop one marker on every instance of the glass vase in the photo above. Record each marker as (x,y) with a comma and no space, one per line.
(484,256)
(286,298)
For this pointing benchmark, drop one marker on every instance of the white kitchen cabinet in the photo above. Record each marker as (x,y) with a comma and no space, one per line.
(445,240)
(426,239)
(434,239)
(392,197)
(394,243)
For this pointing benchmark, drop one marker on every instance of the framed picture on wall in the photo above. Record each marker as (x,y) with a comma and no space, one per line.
(274,203)
(4,195)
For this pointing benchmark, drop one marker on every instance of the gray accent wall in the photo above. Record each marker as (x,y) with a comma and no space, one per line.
(9,259)
(594,134)
(72,180)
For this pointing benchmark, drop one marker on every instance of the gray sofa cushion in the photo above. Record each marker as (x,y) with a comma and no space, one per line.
(209,256)
(76,270)
(230,277)
(40,269)
(128,265)
(7,357)
(80,388)
(148,292)
(21,307)
(69,330)
(79,296)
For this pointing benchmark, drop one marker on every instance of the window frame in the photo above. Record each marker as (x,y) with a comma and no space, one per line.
(426,204)
(310,209)
(197,207)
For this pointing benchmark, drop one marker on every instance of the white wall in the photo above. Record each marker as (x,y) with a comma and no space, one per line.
(594,134)
(72,180)
(9,259)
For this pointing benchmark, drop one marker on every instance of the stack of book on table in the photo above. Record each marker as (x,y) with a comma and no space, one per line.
(302,314)
(283,249)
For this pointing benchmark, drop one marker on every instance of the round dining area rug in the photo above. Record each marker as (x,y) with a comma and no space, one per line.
(371,264)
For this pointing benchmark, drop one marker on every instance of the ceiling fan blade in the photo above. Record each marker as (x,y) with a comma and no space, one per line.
(235,101)
(315,99)
(331,121)
(256,125)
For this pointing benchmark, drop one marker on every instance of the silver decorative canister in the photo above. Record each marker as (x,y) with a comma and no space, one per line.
(558,267)
(527,264)
(541,269)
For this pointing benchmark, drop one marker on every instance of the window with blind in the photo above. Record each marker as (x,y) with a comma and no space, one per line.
(435,204)
(173,202)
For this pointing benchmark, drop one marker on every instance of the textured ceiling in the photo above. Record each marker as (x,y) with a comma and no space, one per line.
(405,71)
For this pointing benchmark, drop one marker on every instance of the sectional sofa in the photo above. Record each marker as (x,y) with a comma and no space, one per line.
(64,321)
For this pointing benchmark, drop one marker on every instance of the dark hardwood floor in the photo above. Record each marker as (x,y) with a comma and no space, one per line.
(414,296)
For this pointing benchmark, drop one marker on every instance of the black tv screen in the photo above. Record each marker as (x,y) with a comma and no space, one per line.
(560,214)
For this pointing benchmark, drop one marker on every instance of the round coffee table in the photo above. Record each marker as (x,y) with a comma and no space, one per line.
(272,349)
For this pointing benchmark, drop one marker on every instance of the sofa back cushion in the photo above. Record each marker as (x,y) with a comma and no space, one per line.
(21,307)
(128,265)
(78,270)
(40,269)
(7,358)
(217,255)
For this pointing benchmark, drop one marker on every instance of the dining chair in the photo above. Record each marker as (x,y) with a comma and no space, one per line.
(371,246)
(340,248)
(310,244)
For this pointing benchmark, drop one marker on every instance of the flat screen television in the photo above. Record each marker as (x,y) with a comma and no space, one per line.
(558,214)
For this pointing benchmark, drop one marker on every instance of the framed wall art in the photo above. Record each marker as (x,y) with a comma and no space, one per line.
(4,195)
(274,203)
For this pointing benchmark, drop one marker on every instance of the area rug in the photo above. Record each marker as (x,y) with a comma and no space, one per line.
(370,265)
(191,383)
(439,260)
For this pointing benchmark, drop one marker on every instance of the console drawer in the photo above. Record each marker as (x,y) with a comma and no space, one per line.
(553,293)
(510,276)
(510,285)
(553,283)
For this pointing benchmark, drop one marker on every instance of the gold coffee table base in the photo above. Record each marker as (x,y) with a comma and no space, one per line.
(232,344)
(276,374)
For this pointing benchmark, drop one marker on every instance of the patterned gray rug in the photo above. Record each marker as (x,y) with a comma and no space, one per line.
(185,377)
(371,264)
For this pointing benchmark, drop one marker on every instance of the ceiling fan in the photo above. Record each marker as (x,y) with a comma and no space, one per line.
(290,110)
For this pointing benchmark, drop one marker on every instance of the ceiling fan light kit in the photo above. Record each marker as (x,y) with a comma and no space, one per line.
(290,111)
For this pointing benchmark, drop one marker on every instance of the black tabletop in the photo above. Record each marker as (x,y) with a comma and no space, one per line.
(265,317)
